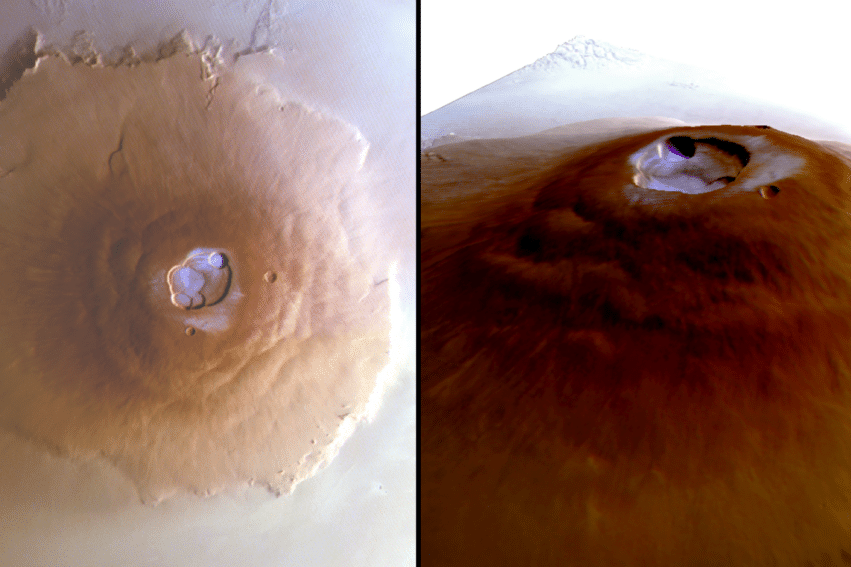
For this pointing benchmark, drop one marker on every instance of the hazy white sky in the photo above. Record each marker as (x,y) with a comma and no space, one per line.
(467,44)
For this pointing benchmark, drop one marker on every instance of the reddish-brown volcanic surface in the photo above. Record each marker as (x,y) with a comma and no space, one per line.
(621,376)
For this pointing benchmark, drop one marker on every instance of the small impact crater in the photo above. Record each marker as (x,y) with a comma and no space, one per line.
(769,191)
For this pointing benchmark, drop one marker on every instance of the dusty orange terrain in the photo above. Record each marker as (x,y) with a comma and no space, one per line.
(614,374)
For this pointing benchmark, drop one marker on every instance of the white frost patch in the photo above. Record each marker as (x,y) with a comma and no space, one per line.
(660,167)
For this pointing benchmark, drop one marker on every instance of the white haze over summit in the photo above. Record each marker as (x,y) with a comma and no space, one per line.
(585,79)
(786,56)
